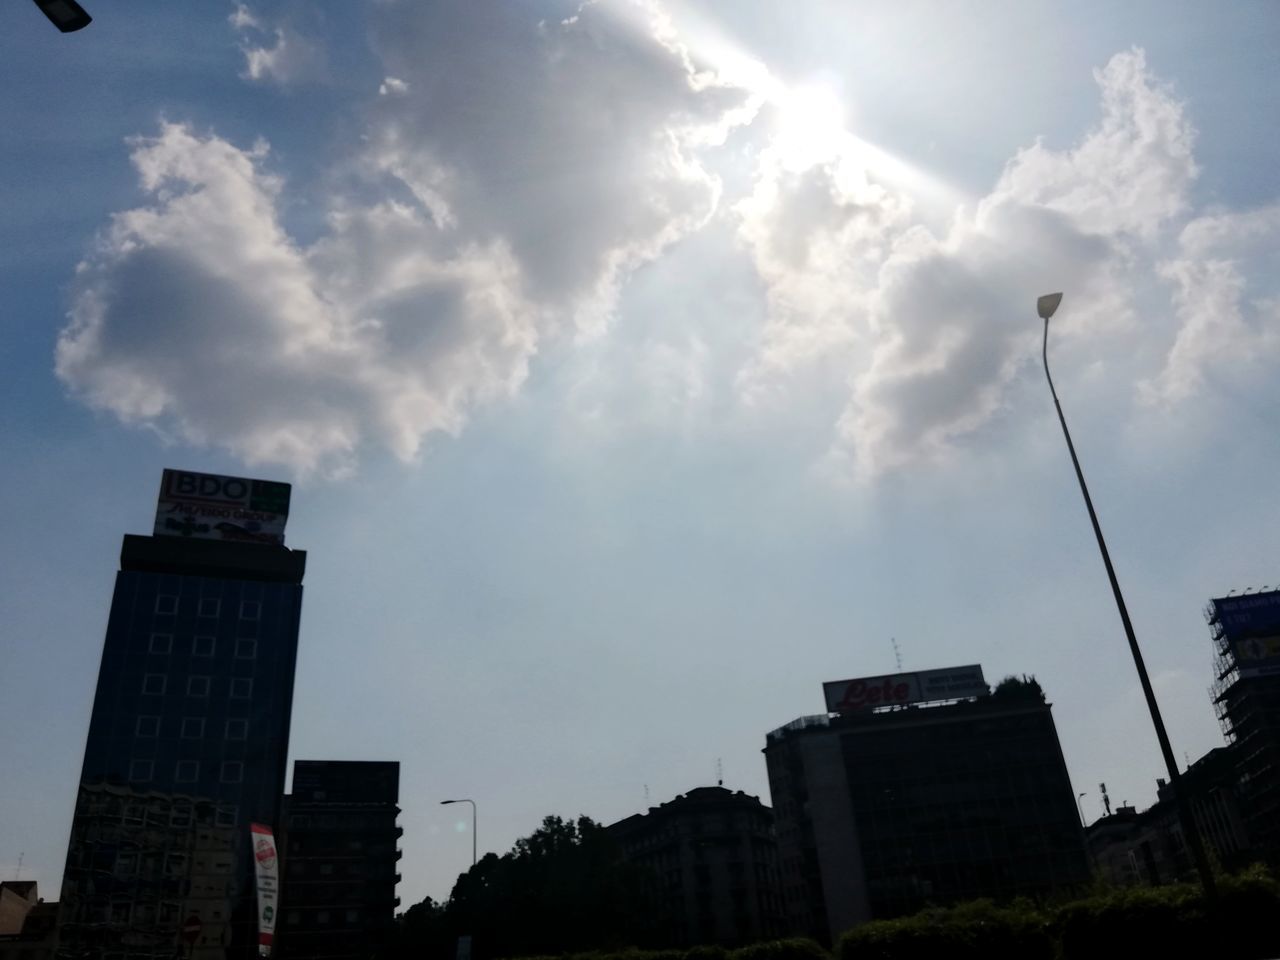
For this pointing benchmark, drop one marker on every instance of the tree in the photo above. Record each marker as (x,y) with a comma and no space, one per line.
(564,887)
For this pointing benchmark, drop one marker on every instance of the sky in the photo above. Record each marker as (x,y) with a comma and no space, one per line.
(638,368)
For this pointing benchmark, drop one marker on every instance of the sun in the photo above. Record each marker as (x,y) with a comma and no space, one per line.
(810,126)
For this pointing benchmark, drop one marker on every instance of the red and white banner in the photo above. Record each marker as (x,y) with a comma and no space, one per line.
(900,689)
(267,869)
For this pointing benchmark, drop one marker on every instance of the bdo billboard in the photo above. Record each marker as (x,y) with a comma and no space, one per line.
(209,506)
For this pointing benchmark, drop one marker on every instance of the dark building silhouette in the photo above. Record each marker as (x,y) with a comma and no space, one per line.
(189,731)
(340,859)
(1129,847)
(1246,692)
(894,804)
(712,857)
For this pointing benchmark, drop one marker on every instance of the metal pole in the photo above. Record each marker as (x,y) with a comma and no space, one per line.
(1189,829)
(1080,808)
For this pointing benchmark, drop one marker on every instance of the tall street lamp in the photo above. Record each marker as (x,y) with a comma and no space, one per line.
(67,15)
(473,824)
(1046,306)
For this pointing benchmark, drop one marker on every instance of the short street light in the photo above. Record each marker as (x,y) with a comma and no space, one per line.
(67,15)
(473,824)
(1046,306)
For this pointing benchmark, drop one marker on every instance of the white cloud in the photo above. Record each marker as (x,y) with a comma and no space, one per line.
(536,180)
(199,313)
(1227,300)
(934,328)
(392,85)
(577,142)
(290,58)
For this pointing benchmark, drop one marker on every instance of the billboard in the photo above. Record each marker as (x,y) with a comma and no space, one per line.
(1251,624)
(209,506)
(266,870)
(898,689)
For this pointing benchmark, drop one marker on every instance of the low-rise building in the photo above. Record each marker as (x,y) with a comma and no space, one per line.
(340,856)
(712,857)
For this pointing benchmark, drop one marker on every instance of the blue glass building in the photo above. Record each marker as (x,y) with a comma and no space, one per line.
(187,746)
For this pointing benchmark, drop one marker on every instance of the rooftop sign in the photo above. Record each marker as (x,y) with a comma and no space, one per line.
(898,689)
(1251,623)
(209,506)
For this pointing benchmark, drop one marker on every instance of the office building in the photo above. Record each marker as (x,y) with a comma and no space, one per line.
(917,789)
(339,843)
(712,859)
(189,731)
(1246,635)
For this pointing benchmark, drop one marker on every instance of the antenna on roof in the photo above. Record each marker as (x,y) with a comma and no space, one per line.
(719,772)
(17,874)
(646,795)
(897,652)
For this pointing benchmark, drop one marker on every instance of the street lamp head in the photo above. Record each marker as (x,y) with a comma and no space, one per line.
(443,802)
(1047,304)
(67,15)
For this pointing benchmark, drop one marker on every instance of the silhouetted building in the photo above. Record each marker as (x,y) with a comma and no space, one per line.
(27,923)
(891,804)
(1246,692)
(712,857)
(340,859)
(1149,847)
(189,732)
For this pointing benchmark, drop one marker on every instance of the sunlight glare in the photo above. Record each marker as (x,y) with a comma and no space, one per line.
(811,126)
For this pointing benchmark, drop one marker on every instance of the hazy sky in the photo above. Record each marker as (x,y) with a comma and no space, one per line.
(639,368)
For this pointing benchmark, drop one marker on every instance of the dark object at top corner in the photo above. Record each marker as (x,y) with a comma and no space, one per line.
(67,15)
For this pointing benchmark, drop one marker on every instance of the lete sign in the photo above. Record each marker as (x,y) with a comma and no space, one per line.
(266,869)
(212,507)
(897,689)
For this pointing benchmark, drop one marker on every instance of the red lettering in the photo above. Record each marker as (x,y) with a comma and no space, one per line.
(900,692)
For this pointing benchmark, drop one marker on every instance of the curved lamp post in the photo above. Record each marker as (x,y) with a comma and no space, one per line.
(1046,306)
(67,15)
(473,824)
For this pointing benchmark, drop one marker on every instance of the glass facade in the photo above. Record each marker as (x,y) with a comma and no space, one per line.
(187,746)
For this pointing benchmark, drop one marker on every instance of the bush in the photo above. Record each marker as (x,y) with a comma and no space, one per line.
(972,931)
(1241,925)
(793,949)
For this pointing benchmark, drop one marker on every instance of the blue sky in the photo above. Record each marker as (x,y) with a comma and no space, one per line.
(639,368)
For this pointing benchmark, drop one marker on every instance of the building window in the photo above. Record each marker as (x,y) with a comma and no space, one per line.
(141,771)
(246,649)
(208,607)
(197,686)
(175,864)
(300,820)
(326,869)
(120,912)
(153,683)
(250,610)
(192,728)
(322,916)
(232,771)
(180,816)
(161,643)
(202,646)
(147,727)
(188,771)
(237,729)
(353,916)
(226,816)
(294,918)
(166,603)
(126,864)
(241,688)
